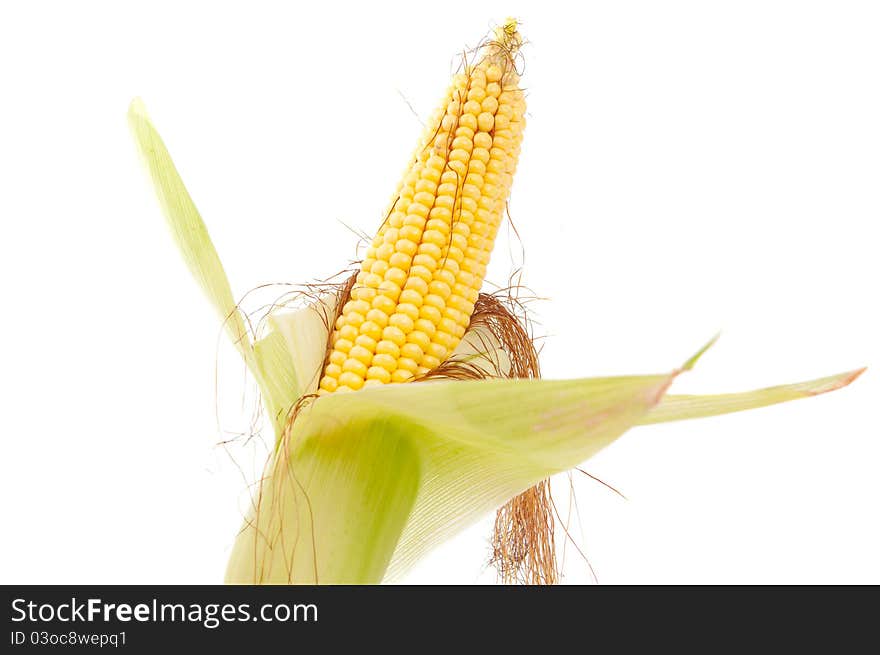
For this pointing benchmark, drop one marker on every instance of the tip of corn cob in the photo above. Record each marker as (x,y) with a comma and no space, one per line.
(420,278)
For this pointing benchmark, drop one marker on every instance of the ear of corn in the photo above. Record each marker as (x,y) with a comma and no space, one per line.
(422,273)
(361,485)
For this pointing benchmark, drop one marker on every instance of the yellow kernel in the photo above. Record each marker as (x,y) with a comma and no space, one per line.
(378,373)
(371,280)
(496,164)
(437,350)
(376,316)
(343,345)
(387,362)
(493,73)
(437,224)
(474,178)
(422,371)
(458,241)
(446,325)
(412,222)
(410,297)
(406,364)
(449,177)
(489,104)
(367,342)
(379,267)
(485,121)
(465,131)
(337,357)
(400,321)
(431,314)
(470,266)
(405,246)
(432,174)
(386,347)
(354,318)
(444,339)
(434,300)
(333,370)
(371,329)
(423,325)
(481,151)
(358,353)
(389,289)
(444,276)
(430,361)
(434,237)
(384,251)
(384,304)
(476,94)
(493,89)
(410,232)
(351,380)
(471,107)
(419,286)
(470,191)
(505,107)
(443,214)
(417,339)
(407,309)
(463,143)
(355,366)
(400,375)
(348,332)
(424,199)
(426,186)
(400,260)
(372,383)
(395,275)
(468,120)
(454,254)
(329,383)
(363,293)
(431,250)
(454,315)
(476,166)
(416,211)
(356,306)
(461,304)
(449,201)
(394,333)
(435,162)
(440,289)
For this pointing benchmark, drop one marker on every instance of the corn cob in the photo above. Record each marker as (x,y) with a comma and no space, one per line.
(414,295)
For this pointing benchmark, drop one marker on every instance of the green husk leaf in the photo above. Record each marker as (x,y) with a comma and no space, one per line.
(187,227)
(367,482)
(682,407)
(277,378)
(306,333)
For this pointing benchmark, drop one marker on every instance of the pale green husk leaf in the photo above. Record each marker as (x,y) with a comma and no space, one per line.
(678,408)
(367,482)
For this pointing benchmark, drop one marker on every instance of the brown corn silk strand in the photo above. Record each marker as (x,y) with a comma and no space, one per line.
(523,537)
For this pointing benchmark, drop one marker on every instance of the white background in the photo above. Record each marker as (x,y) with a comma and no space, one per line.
(688,167)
